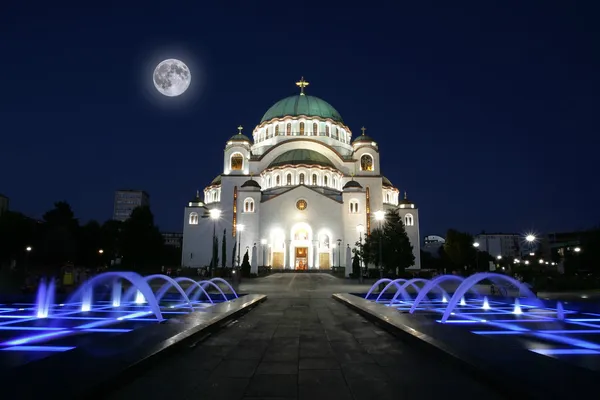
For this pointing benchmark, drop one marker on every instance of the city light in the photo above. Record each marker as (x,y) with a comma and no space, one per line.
(28,248)
(240,227)
(530,238)
(263,241)
(476,244)
(577,249)
(526,262)
(215,213)
(541,261)
(100,251)
(499,257)
(379,215)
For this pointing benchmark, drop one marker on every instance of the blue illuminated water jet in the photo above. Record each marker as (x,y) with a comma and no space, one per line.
(45,298)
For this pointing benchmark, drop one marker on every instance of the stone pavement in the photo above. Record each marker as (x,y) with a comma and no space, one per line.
(296,346)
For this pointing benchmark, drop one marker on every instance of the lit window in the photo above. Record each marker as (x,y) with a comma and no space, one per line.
(276,130)
(237,162)
(301,128)
(315,129)
(353,206)
(314,179)
(302,179)
(326,130)
(325,180)
(288,129)
(277,181)
(249,205)
(288,179)
(268,181)
(409,220)
(193,218)
(366,162)
(334,182)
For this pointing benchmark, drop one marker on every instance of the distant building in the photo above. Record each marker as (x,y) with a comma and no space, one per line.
(501,244)
(126,201)
(432,244)
(174,239)
(3,204)
(557,245)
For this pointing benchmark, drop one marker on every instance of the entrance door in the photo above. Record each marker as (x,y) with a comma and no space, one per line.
(301,258)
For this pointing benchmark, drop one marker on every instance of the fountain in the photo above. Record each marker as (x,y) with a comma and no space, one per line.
(116,293)
(462,301)
(45,298)
(560,311)
(517,310)
(486,303)
(435,283)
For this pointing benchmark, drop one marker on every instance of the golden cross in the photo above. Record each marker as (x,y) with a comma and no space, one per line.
(240,130)
(302,84)
(363,129)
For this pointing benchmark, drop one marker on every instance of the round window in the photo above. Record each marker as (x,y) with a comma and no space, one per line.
(301,205)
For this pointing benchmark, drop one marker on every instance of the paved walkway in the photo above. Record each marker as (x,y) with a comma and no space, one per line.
(302,344)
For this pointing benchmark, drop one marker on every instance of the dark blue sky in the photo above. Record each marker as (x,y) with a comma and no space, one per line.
(485,112)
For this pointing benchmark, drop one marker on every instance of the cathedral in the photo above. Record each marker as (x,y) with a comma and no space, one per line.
(299,195)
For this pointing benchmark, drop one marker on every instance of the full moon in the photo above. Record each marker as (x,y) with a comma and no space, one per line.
(172,77)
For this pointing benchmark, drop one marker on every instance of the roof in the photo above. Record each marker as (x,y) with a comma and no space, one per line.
(301,156)
(251,183)
(301,104)
(386,181)
(352,185)
(363,138)
(216,181)
(240,137)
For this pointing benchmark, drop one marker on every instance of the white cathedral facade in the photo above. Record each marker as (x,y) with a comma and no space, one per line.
(299,195)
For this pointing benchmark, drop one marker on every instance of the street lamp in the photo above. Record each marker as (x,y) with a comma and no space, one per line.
(379,217)
(476,245)
(339,252)
(100,251)
(240,229)
(577,249)
(530,239)
(214,214)
(28,250)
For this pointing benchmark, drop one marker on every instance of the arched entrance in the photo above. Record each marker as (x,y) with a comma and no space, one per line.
(301,250)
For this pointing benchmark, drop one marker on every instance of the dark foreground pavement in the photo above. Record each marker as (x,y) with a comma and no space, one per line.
(308,347)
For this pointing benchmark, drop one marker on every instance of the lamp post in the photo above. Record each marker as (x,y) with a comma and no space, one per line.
(263,243)
(379,217)
(530,239)
(339,241)
(476,245)
(100,252)
(27,250)
(215,214)
(240,229)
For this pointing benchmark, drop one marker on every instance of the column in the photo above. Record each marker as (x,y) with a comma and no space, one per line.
(290,258)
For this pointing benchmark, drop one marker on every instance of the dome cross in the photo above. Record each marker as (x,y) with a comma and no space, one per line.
(240,129)
(302,84)
(363,129)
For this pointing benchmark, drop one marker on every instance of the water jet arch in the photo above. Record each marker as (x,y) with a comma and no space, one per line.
(411,282)
(172,283)
(432,284)
(475,279)
(226,284)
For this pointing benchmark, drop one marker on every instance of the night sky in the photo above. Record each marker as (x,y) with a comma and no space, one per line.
(485,112)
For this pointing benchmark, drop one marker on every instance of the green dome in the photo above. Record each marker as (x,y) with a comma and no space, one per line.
(240,137)
(297,105)
(363,138)
(301,156)
(216,181)
(386,181)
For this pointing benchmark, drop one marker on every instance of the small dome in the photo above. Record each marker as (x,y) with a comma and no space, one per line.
(352,185)
(216,181)
(301,157)
(302,104)
(240,137)
(386,182)
(251,183)
(405,200)
(363,138)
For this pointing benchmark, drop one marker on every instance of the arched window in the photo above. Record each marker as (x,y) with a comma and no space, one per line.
(193,218)
(353,206)
(237,162)
(409,220)
(325,242)
(336,134)
(325,180)
(315,129)
(301,128)
(249,205)
(301,179)
(326,130)
(334,182)
(387,197)
(268,181)
(276,130)
(301,234)
(288,179)
(277,181)
(266,132)
(314,179)
(288,129)
(366,162)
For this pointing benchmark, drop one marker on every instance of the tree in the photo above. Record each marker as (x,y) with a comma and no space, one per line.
(356,265)
(60,231)
(396,250)
(246,265)
(459,248)
(141,242)
(224,249)
(89,244)
(17,232)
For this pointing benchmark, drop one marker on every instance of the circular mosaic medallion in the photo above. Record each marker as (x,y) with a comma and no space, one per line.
(301,205)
